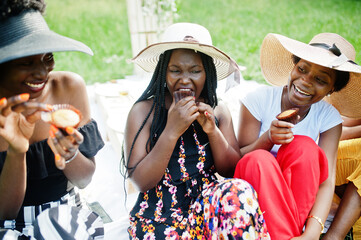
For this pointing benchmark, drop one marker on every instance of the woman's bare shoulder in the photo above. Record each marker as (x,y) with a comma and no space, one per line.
(139,112)
(66,79)
(221,111)
(69,88)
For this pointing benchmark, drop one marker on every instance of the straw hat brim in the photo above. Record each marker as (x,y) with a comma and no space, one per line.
(276,64)
(41,42)
(348,100)
(148,58)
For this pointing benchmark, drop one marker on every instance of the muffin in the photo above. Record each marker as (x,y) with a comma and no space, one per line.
(289,115)
(182,93)
(62,116)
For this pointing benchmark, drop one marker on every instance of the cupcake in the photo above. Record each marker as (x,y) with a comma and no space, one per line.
(62,116)
(289,115)
(182,93)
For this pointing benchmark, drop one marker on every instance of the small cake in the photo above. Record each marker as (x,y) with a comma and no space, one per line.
(289,115)
(62,116)
(182,93)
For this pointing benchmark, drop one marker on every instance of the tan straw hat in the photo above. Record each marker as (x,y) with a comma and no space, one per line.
(325,49)
(190,36)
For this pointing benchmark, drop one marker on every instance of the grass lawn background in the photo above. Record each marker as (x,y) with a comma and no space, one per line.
(237,27)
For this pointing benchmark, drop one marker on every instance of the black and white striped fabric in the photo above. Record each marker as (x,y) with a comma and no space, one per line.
(11,235)
(66,215)
(28,214)
(67,222)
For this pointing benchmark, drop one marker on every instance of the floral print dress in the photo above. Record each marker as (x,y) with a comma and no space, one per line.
(191,203)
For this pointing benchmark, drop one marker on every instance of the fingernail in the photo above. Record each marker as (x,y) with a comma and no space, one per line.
(51,134)
(57,157)
(69,130)
(24,96)
(54,129)
(49,107)
(206,113)
(2,101)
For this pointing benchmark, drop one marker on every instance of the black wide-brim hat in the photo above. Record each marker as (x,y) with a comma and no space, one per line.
(28,34)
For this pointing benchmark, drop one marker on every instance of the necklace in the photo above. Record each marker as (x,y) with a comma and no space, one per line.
(182,157)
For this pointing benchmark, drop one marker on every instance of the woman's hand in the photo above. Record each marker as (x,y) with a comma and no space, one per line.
(280,132)
(65,146)
(182,114)
(15,127)
(206,118)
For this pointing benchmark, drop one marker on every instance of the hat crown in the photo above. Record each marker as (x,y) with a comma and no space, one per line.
(187,32)
(19,26)
(332,38)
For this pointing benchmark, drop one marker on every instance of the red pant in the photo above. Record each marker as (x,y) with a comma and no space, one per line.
(286,185)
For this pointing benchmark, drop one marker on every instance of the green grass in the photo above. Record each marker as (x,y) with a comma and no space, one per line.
(237,27)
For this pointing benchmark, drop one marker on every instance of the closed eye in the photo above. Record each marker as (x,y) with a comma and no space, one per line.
(321,81)
(300,69)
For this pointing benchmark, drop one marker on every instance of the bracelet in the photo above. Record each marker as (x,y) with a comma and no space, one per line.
(73,157)
(319,221)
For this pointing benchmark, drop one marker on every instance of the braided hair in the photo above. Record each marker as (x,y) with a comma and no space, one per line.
(156,90)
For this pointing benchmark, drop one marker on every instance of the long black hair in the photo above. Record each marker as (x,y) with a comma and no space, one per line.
(156,90)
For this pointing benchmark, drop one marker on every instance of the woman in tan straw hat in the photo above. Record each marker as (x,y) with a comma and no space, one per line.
(175,144)
(291,162)
(39,169)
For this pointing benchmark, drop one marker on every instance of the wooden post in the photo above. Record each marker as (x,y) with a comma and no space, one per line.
(144,28)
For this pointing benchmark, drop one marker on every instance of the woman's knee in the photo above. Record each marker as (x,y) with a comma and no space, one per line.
(257,160)
(302,143)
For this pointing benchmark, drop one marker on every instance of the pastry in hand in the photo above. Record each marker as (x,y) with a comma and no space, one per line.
(182,93)
(289,115)
(62,116)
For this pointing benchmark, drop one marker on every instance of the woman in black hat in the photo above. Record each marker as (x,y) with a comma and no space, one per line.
(39,168)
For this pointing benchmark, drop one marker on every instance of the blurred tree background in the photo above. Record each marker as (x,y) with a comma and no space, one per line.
(237,27)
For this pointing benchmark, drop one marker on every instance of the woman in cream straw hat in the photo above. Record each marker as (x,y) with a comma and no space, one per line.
(39,168)
(177,137)
(291,162)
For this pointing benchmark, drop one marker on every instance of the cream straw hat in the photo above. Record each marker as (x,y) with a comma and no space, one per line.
(276,65)
(190,36)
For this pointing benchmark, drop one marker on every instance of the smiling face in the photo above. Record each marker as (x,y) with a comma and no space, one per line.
(185,71)
(309,83)
(25,75)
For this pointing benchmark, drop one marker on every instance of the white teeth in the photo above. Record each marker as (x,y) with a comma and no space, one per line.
(185,89)
(35,85)
(305,93)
